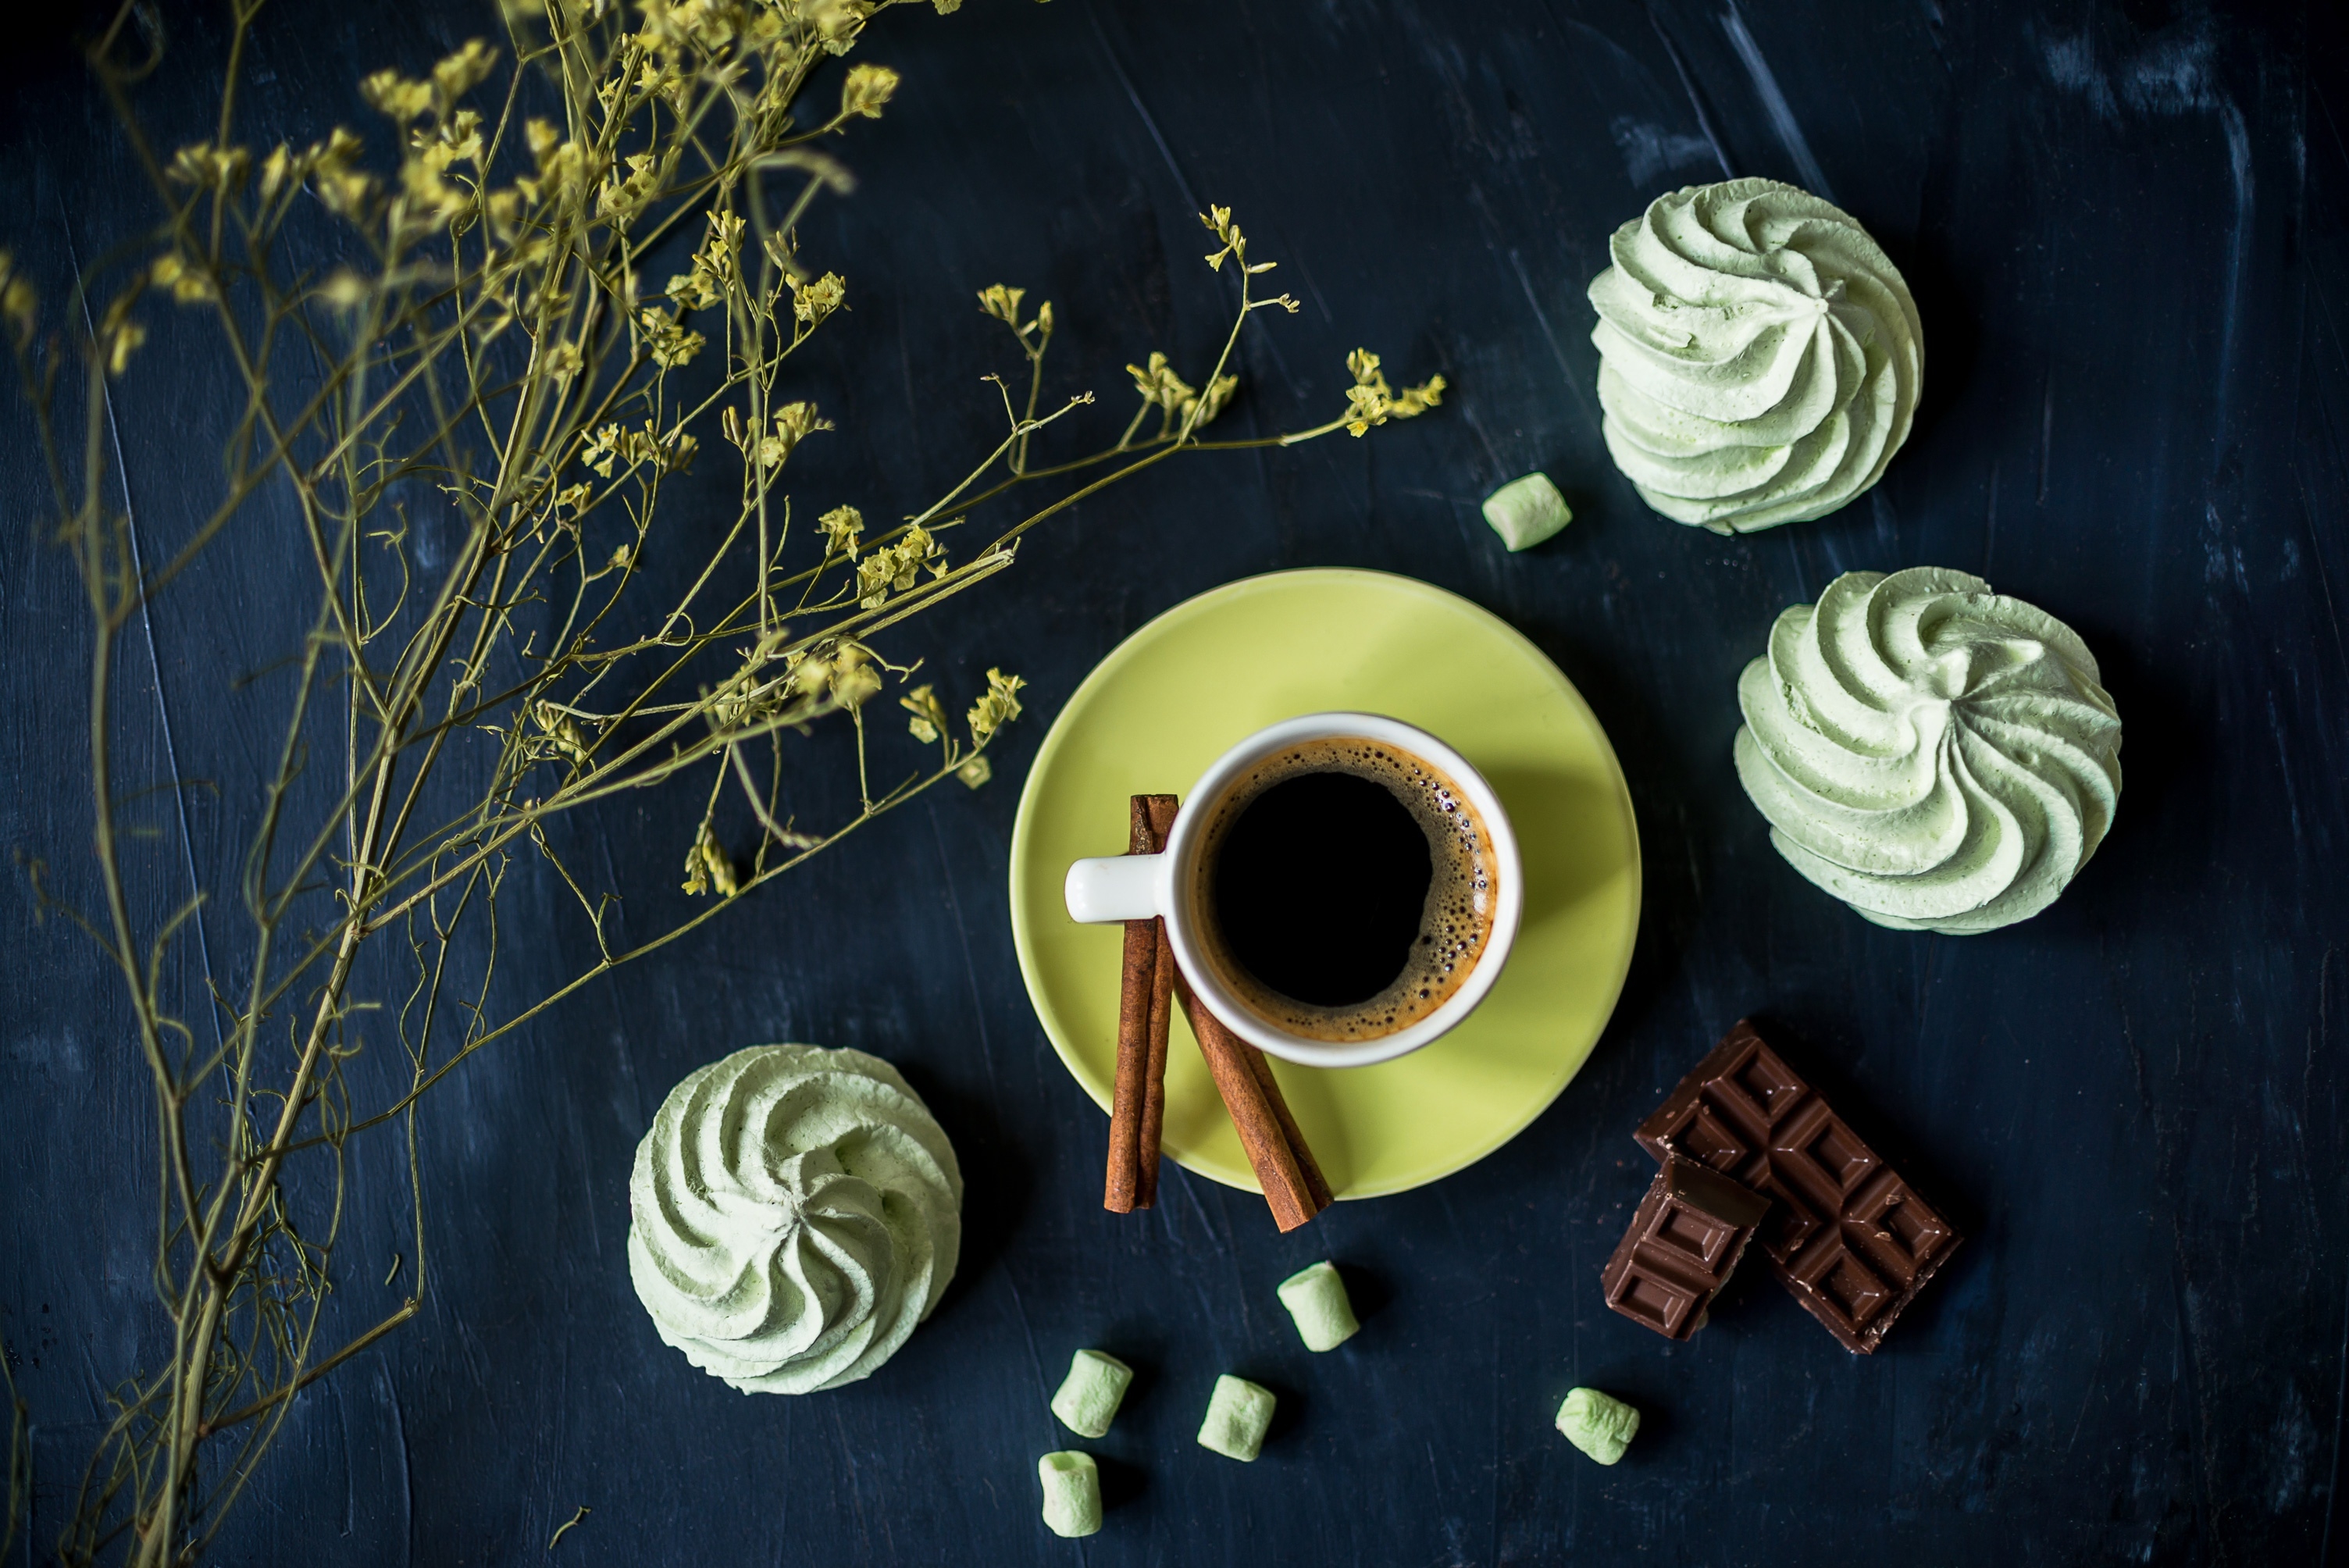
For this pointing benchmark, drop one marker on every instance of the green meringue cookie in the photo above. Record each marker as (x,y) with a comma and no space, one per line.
(794,1213)
(1760,356)
(1938,756)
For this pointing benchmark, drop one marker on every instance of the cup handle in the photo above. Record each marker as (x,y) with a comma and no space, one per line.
(1113,888)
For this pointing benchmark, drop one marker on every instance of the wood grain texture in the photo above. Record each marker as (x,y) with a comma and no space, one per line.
(2128,229)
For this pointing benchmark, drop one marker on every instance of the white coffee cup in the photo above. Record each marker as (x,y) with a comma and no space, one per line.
(1115,888)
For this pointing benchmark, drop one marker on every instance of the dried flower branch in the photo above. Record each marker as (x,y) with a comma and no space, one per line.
(491,335)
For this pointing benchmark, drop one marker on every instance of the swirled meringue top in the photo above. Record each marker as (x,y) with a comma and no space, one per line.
(1940,757)
(1759,356)
(794,1212)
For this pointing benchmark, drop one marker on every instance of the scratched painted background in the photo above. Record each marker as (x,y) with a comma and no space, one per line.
(2125,226)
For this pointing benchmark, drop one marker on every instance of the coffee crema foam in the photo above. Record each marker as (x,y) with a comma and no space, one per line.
(1456,923)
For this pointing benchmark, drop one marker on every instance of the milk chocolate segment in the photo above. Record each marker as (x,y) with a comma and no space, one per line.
(1846,1235)
(1685,1240)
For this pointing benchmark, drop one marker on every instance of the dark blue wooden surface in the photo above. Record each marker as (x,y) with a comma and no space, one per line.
(2124,228)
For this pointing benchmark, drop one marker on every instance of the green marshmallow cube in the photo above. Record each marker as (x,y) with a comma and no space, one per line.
(1072,1505)
(1238,1415)
(1315,1298)
(1599,1424)
(1525,511)
(1091,1393)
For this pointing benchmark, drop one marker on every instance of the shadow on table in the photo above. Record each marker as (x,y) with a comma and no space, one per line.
(997,1181)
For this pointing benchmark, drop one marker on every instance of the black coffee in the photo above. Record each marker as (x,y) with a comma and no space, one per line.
(1319,885)
(1346,888)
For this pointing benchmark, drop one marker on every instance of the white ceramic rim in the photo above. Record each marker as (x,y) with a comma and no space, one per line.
(1175,887)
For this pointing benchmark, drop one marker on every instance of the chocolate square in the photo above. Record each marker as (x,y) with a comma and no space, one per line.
(1845,1235)
(1684,1243)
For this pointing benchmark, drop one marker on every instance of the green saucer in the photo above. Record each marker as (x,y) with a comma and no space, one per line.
(1180,691)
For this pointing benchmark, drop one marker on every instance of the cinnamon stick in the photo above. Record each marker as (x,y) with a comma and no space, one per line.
(1122,1184)
(1264,1133)
(1144,1013)
(1307,1166)
(1162,809)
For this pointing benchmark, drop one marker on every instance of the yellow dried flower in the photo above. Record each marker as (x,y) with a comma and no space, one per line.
(623,196)
(1002,303)
(794,423)
(1412,401)
(694,290)
(1218,221)
(400,97)
(999,707)
(1159,386)
(714,265)
(456,139)
(122,340)
(671,345)
(428,193)
(811,301)
(562,165)
(188,286)
(505,208)
(841,526)
(345,290)
(874,575)
(1369,401)
(867,88)
(854,681)
(209,168)
(125,341)
(806,674)
(835,23)
(896,567)
(341,186)
(929,720)
(275,170)
(707,867)
(601,449)
(564,736)
(463,71)
(975,772)
(721,250)
(1218,394)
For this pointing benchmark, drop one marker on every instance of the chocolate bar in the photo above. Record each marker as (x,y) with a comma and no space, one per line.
(1850,1238)
(1684,1242)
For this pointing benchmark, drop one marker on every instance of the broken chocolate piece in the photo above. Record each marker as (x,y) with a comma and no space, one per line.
(1684,1241)
(1846,1235)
